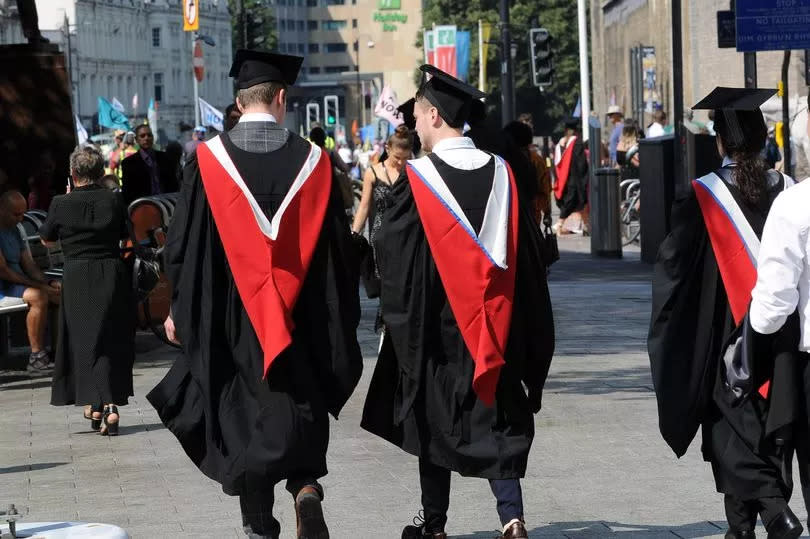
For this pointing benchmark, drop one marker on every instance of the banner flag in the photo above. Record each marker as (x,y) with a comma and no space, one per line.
(430,47)
(210,116)
(81,132)
(446,49)
(463,54)
(386,107)
(484,32)
(117,105)
(152,116)
(109,117)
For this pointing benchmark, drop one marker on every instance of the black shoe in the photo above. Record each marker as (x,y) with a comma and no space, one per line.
(784,526)
(107,428)
(417,530)
(740,534)
(309,515)
(95,423)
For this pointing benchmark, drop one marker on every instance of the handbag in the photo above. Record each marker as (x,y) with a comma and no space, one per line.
(145,271)
(548,245)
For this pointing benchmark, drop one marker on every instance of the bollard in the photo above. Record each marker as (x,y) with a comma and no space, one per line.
(606,237)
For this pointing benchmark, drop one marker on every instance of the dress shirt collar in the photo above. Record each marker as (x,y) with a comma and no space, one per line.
(257,117)
(454,143)
(729,162)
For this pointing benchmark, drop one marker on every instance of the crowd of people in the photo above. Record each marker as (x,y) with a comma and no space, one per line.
(267,248)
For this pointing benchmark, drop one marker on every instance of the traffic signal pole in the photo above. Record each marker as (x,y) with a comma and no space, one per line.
(584,69)
(507,80)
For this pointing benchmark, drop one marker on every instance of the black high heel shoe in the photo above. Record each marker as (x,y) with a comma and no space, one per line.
(110,429)
(95,422)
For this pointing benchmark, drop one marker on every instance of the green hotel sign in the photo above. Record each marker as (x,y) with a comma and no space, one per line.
(388,4)
(387,18)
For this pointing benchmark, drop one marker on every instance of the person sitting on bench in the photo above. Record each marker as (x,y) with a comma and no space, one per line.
(20,277)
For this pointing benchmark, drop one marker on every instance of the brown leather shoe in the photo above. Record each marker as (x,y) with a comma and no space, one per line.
(416,532)
(516,531)
(309,515)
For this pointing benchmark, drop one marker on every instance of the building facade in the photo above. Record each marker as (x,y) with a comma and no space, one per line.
(631,51)
(134,51)
(352,48)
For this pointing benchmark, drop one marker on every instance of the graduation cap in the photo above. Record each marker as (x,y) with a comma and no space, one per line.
(407,113)
(573,123)
(731,102)
(250,68)
(448,94)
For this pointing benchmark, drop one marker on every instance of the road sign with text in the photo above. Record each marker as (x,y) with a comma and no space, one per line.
(772,25)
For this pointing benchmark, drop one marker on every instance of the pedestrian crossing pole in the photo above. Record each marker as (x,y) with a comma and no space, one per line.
(584,73)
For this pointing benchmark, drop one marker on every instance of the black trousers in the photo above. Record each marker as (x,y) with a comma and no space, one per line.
(257,508)
(742,514)
(435,483)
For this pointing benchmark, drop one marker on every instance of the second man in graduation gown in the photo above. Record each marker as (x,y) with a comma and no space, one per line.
(467,315)
(265,303)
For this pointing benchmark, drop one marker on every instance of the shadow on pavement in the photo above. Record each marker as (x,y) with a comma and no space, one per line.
(579,266)
(601,382)
(31,467)
(125,429)
(610,529)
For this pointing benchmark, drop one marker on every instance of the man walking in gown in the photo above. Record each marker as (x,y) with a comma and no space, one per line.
(265,303)
(467,314)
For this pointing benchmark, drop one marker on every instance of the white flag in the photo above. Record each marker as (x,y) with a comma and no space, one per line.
(81,132)
(210,116)
(386,107)
(134,103)
(117,105)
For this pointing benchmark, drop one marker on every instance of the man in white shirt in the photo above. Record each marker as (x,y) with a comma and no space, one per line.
(783,285)
(656,129)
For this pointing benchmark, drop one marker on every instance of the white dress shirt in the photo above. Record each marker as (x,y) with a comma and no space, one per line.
(461,153)
(655,130)
(783,273)
(257,117)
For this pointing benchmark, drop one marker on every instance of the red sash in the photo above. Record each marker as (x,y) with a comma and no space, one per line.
(734,242)
(269,259)
(477,272)
(563,168)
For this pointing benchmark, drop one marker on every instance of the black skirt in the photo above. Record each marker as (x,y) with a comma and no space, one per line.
(95,352)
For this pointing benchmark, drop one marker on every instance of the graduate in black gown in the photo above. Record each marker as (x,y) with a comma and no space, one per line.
(467,313)
(265,304)
(696,311)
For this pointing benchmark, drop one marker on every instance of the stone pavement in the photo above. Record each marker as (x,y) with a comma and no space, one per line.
(598,466)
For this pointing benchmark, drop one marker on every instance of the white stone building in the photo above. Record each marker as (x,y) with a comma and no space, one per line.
(123,48)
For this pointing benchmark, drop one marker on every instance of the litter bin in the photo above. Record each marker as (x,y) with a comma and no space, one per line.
(606,237)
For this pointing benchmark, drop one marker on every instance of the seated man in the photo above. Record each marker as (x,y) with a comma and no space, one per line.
(21,278)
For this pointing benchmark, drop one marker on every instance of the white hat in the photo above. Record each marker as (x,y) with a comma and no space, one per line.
(614,109)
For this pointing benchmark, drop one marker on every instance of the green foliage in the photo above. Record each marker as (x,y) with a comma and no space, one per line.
(556,102)
(258,21)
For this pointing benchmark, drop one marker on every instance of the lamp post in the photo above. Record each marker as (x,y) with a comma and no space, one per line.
(360,105)
(208,40)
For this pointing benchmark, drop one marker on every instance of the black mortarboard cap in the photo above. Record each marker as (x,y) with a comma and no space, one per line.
(730,101)
(250,68)
(573,123)
(406,109)
(448,94)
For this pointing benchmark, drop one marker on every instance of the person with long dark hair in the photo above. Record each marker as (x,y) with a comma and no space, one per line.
(707,369)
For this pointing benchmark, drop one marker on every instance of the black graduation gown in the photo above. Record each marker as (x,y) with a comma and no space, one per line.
(435,414)
(243,431)
(690,325)
(575,194)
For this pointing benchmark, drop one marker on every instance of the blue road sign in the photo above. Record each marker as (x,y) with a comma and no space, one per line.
(771,25)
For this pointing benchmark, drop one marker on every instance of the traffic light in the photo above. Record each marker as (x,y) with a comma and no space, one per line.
(330,110)
(313,115)
(541,57)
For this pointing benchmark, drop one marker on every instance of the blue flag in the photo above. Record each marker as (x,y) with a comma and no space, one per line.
(109,117)
(463,54)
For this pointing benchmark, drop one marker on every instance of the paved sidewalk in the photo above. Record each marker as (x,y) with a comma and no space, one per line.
(598,466)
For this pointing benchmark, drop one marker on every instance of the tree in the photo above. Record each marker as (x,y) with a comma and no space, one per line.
(549,107)
(253,25)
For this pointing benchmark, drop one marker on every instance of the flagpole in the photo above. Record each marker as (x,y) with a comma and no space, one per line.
(584,75)
(196,86)
(480,56)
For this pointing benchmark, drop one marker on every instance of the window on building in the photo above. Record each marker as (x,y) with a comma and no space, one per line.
(354,2)
(314,48)
(334,25)
(334,47)
(354,23)
(334,2)
(282,47)
(314,70)
(283,24)
(312,3)
(156,37)
(158,86)
(312,25)
(336,69)
(300,24)
(281,2)
(302,48)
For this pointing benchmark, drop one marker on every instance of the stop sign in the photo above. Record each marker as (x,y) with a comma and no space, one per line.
(198,62)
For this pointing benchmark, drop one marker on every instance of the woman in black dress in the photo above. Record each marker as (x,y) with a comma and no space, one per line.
(95,352)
